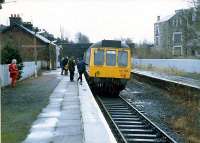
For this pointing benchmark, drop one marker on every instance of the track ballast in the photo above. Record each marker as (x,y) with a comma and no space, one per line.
(130,125)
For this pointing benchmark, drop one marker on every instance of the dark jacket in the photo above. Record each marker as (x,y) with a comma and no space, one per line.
(65,61)
(71,65)
(81,66)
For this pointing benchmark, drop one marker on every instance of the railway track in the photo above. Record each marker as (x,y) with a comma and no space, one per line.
(128,124)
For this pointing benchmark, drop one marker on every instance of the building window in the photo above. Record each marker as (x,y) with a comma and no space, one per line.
(157,30)
(194,16)
(99,57)
(180,21)
(111,58)
(174,22)
(177,22)
(157,41)
(177,38)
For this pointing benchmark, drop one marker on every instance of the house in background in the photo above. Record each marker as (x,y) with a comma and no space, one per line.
(178,33)
(2,27)
(31,45)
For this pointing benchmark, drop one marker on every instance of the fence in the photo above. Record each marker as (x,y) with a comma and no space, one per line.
(28,70)
(187,65)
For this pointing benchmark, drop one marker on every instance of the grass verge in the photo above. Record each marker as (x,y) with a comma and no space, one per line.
(21,105)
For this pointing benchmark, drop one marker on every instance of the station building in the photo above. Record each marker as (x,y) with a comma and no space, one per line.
(31,45)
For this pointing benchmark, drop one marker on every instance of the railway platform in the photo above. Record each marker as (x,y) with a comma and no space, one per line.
(194,83)
(72,116)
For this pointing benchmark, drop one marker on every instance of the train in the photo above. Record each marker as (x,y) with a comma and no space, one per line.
(109,67)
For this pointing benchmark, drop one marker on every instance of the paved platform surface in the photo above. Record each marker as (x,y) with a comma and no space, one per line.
(96,129)
(171,78)
(72,116)
(60,121)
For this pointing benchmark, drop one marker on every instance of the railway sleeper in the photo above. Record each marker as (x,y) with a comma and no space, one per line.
(118,111)
(124,115)
(115,104)
(129,123)
(112,109)
(126,119)
(138,140)
(131,126)
(137,131)
(144,136)
(117,108)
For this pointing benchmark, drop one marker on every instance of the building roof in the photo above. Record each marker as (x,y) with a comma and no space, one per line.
(76,45)
(38,36)
(166,18)
(2,27)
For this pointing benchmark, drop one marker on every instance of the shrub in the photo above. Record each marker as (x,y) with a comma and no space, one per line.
(9,53)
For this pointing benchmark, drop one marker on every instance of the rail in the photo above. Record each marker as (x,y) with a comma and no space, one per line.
(130,125)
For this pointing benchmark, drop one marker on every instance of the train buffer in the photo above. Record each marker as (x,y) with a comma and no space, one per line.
(71,116)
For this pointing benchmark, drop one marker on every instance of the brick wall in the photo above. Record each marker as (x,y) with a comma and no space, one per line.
(24,42)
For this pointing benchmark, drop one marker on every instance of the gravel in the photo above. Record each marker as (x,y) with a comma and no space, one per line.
(177,115)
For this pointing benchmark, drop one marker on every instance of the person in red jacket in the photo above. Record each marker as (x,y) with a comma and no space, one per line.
(14,72)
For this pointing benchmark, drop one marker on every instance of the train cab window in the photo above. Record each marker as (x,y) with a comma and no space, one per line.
(122,58)
(111,58)
(98,57)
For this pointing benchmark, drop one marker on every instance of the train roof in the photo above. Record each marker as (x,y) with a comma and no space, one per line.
(109,43)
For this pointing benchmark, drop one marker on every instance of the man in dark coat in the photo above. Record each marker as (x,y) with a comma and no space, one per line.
(63,65)
(71,67)
(81,69)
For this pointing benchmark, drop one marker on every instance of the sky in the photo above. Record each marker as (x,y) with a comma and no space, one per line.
(98,19)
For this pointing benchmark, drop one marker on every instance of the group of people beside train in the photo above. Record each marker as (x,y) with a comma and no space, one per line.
(68,64)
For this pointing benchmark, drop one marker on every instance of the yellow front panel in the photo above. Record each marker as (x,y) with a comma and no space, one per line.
(105,71)
(109,72)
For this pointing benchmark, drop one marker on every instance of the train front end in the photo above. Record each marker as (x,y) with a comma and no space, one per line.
(109,66)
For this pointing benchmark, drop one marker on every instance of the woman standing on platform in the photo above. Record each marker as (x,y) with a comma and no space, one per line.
(14,72)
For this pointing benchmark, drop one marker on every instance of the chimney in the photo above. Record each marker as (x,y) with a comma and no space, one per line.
(158,18)
(28,25)
(15,19)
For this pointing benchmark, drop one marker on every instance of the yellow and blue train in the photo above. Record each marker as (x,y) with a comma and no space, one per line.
(109,66)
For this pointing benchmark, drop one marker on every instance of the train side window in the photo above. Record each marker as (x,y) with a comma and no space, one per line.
(122,58)
(98,57)
(111,58)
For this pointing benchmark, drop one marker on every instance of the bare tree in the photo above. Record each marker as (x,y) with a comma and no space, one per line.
(128,40)
(195,3)
(81,38)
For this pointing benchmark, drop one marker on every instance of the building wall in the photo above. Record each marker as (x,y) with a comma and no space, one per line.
(28,70)
(181,22)
(24,42)
(187,65)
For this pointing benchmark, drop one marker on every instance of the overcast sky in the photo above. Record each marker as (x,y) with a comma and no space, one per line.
(99,19)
